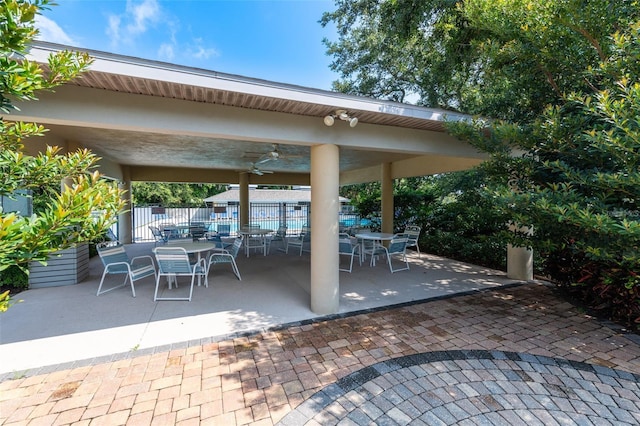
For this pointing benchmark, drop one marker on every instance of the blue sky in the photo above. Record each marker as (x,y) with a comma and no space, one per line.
(277,40)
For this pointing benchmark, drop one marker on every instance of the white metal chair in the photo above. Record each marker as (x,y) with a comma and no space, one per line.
(226,256)
(173,262)
(397,247)
(256,242)
(280,235)
(116,261)
(197,230)
(346,248)
(371,248)
(157,235)
(412,233)
(297,241)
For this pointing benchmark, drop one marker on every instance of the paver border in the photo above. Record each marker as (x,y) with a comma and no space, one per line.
(325,397)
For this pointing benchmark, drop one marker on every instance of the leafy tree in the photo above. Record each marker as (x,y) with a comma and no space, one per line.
(567,91)
(173,194)
(579,183)
(71,215)
(500,58)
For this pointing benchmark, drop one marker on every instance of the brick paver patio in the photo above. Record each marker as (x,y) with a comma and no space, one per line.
(525,340)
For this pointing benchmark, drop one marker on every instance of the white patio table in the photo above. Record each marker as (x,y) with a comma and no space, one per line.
(259,233)
(377,237)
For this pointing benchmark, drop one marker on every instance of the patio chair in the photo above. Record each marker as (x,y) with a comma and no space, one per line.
(412,233)
(173,262)
(280,235)
(347,248)
(369,247)
(297,241)
(226,256)
(397,247)
(157,235)
(197,230)
(215,238)
(116,261)
(256,242)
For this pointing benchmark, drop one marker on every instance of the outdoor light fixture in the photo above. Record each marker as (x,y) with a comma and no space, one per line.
(342,115)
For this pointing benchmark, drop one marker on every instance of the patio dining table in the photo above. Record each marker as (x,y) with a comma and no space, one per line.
(376,237)
(258,233)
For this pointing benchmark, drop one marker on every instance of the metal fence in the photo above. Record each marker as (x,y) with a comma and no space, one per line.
(294,216)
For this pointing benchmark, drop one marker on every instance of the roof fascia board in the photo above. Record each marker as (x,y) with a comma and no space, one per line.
(155,70)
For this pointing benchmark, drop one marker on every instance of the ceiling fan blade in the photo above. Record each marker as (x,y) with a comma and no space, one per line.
(265,159)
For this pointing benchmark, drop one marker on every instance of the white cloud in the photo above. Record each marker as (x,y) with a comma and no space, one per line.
(113,29)
(166,52)
(50,31)
(136,20)
(141,15)
(205,53)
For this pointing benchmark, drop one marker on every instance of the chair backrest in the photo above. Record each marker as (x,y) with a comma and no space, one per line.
(412,229)
(155,231)
(173,260)
(412,235)
(112,254)
(397,245)
(281,232)
(345,246)
(197,231)
(235,248)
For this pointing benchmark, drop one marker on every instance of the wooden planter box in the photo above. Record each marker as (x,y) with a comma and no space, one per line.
(67,267)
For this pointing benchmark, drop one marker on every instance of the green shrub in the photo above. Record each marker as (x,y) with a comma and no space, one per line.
(14,278)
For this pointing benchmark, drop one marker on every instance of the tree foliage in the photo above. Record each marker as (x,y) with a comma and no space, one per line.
(559,80)
(500,58)
(88,205)
(173,194)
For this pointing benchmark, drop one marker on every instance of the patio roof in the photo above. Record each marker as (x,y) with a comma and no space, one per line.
(154,121)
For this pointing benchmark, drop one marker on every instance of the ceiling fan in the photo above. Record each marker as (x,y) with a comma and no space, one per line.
(274,155)
(256,171)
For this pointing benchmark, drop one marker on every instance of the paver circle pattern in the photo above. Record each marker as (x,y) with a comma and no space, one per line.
(475,387)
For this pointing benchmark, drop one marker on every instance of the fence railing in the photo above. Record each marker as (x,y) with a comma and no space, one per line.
(215,219)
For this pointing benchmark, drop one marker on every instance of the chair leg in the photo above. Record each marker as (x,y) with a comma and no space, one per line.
(155,294)
(235,269)
(104,274)
(404,259)
(133,290)
(175,278)
(193,279)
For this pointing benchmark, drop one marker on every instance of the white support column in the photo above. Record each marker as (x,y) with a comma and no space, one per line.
(125,219)
(325,205)
(386,190)
(244,200)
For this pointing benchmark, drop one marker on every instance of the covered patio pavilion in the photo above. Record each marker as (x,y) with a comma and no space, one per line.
(159,122)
